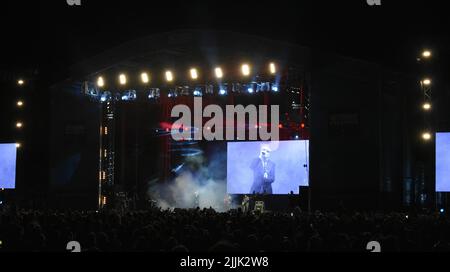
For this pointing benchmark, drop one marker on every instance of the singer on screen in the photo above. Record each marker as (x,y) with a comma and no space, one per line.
(263,172)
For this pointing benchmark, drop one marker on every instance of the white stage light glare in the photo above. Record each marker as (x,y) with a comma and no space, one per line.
(145,78)
(219,73)
(426,54)
(122,79)
(273,68)
(245,69)
(426,82)
(100,82)
(169,76)
(426,136)
(194,74)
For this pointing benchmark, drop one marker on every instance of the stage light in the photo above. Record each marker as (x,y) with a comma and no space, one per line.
(122,79)
(100,82)
(154,93)
(20,82)
(20,103)
(250,90)
(273,68)
(426,106)
(222,92)
(105,96)
(275,89)
(426,82)
(245,69)
(19,125)
(197,93)
(194,74)
(426,136)
(426,54)
(302,125)
(441,210)
(129,95)
(18,145)
(169,76)
(145,78)
(297,137)
(219,73)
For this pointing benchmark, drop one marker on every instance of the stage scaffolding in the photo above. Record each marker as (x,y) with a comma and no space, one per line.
(290,86)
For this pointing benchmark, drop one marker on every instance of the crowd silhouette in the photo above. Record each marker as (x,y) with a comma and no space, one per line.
(205,230)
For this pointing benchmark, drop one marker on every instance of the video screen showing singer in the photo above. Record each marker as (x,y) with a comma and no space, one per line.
(263,172)
(276,167)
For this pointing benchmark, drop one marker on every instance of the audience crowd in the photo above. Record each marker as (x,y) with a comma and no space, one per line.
(202,230)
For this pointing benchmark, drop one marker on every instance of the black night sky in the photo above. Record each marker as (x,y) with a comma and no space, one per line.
(49,35)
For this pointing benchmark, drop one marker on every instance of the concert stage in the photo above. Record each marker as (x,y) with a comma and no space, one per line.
(113,126)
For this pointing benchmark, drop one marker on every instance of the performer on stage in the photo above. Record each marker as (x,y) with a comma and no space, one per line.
(227,202)
(246,204)
(196,199)
(263,172)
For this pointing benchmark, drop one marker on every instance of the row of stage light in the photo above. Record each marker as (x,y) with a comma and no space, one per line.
(426,84)
(180,91)
(20,104)
(194,74)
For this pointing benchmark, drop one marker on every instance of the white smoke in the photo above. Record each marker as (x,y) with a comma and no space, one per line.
(180,192)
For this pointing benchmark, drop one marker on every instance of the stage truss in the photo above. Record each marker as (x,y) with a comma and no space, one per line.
(290,86)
